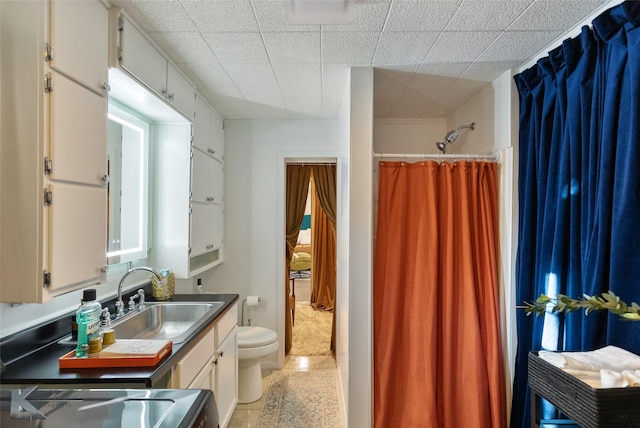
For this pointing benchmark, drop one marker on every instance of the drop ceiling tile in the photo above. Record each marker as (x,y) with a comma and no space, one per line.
(256,82)
(460,46)
(213,76)
(367,16)
(231,108)
(494,15)
(272,17)
(406,15)
(488,71)
(388,94)
(184,47)
(293,48)
(554,14)
(517,45)
(403,47)
(238,48)
(354,48)
(158,15)
(221,15)
(300,78)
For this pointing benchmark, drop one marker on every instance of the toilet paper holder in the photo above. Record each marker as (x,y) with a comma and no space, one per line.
(249,301)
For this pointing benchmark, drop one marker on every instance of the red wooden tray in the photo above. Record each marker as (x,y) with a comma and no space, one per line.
(129,353)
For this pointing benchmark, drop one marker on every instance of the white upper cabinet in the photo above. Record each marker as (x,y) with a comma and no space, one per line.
(78,42)
(78,133)
(53,198)
(134,53)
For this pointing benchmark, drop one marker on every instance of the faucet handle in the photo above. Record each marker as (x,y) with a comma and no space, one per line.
(142,300)
(119,309)
(105,318)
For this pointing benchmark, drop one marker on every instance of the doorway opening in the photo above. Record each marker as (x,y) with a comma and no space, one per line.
(310,255)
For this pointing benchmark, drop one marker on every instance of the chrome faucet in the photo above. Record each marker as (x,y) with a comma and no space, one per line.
(119,302)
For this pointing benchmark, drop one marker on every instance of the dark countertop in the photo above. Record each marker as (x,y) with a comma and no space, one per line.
(31,357)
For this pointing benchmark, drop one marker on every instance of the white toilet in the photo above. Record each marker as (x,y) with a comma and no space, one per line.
(254,343)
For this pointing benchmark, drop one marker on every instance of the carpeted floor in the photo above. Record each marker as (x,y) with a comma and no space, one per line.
(297,399)
(311,331)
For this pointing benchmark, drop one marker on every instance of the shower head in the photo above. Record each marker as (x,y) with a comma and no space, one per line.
(453,136)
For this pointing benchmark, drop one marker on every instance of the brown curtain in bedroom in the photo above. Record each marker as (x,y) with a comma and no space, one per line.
(323,240)
(436,300)
(297,189)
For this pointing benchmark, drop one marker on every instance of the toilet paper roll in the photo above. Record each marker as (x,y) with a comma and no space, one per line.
(253,301)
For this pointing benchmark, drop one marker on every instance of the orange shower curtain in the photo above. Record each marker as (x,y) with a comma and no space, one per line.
(437,350)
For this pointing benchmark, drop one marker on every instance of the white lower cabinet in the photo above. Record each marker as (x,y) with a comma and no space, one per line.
(212,363)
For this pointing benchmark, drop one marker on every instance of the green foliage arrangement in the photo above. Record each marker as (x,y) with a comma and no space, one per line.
(607,301)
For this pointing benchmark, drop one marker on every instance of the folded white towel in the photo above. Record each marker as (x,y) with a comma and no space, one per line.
(610,357)
(613,379)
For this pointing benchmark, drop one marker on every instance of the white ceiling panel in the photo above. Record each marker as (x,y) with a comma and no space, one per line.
(429,56)
(491,15)
(516,45)
(272,16)
(367,16)
(395,47)
(238,48)
(183,47)
(221,15)
(293,48)
(355,48)
(464,46)
(554,15)
(416,15)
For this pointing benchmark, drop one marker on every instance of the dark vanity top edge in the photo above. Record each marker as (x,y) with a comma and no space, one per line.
(40,365)
(30,340)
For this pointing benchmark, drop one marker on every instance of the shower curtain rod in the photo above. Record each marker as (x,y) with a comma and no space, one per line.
(491,157)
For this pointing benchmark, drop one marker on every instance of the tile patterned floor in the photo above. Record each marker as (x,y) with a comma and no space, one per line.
(303,394)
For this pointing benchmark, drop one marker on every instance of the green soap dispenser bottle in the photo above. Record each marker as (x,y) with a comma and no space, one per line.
(88,319)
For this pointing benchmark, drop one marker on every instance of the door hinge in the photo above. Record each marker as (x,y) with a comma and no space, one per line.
(46,278)
(48,197)
(120,24)
(48,52)
(48,83)
(48,166)
(189,250)
(191,154)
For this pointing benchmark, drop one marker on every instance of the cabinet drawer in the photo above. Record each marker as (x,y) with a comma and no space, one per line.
(186,370)
(226,324)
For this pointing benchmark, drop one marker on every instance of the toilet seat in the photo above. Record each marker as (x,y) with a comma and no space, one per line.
(254,337)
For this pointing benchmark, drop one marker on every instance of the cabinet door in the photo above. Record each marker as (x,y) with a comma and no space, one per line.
(217,136)
(227,378)
(191,365)
(140,58)
(79,36)
(201,125)
(78,133)
(206,378)
(77,236)
(179,91)
(217,177)
(203,228)
(202,177)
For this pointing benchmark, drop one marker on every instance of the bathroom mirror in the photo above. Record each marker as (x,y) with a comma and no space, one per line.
(128,148)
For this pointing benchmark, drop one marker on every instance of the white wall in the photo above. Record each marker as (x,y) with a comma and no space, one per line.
(342,242)
(360,223)
(254,211)
(398,136)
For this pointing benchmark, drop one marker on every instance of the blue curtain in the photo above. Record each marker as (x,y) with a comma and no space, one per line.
(579,189)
